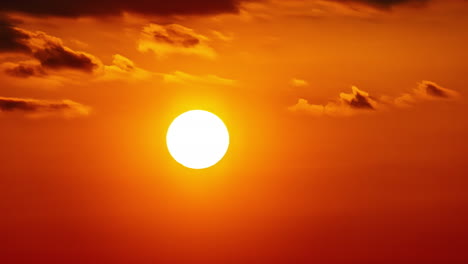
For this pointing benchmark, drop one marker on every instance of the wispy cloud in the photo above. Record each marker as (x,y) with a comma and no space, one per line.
(36,108)
(186,78)
(385,4)
(23,69)
(425,91)
(48,51)
(122,68)
(164,40)
(298,82)
(105,8)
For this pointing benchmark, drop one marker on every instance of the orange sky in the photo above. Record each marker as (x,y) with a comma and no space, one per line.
(347,122)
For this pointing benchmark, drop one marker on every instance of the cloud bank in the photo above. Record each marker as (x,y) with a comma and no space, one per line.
(157,7)
(116,7)
(360,102)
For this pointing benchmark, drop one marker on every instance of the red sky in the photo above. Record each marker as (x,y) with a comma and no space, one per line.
(347,122)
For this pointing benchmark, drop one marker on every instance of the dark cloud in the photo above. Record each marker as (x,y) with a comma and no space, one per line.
(426,91)
(56,56)
(174,38)
(433,89)
(11,39)
(42,108)
(359,100)
(385,4)
(115,7)
(346,104)
(156,7)
(23,70)
(48,50)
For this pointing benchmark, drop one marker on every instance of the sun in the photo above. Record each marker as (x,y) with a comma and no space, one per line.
(197,139)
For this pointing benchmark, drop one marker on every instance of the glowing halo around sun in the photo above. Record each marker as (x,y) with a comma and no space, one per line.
(197,139)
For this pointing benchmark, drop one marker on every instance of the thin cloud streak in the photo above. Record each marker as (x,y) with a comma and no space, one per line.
(35,108)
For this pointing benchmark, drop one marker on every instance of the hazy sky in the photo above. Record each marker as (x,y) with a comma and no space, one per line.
(347,122)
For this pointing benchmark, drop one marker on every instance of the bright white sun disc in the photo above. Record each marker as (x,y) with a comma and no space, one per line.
(197,139)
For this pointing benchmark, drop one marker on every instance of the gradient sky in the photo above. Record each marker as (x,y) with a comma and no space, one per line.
(348,125)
